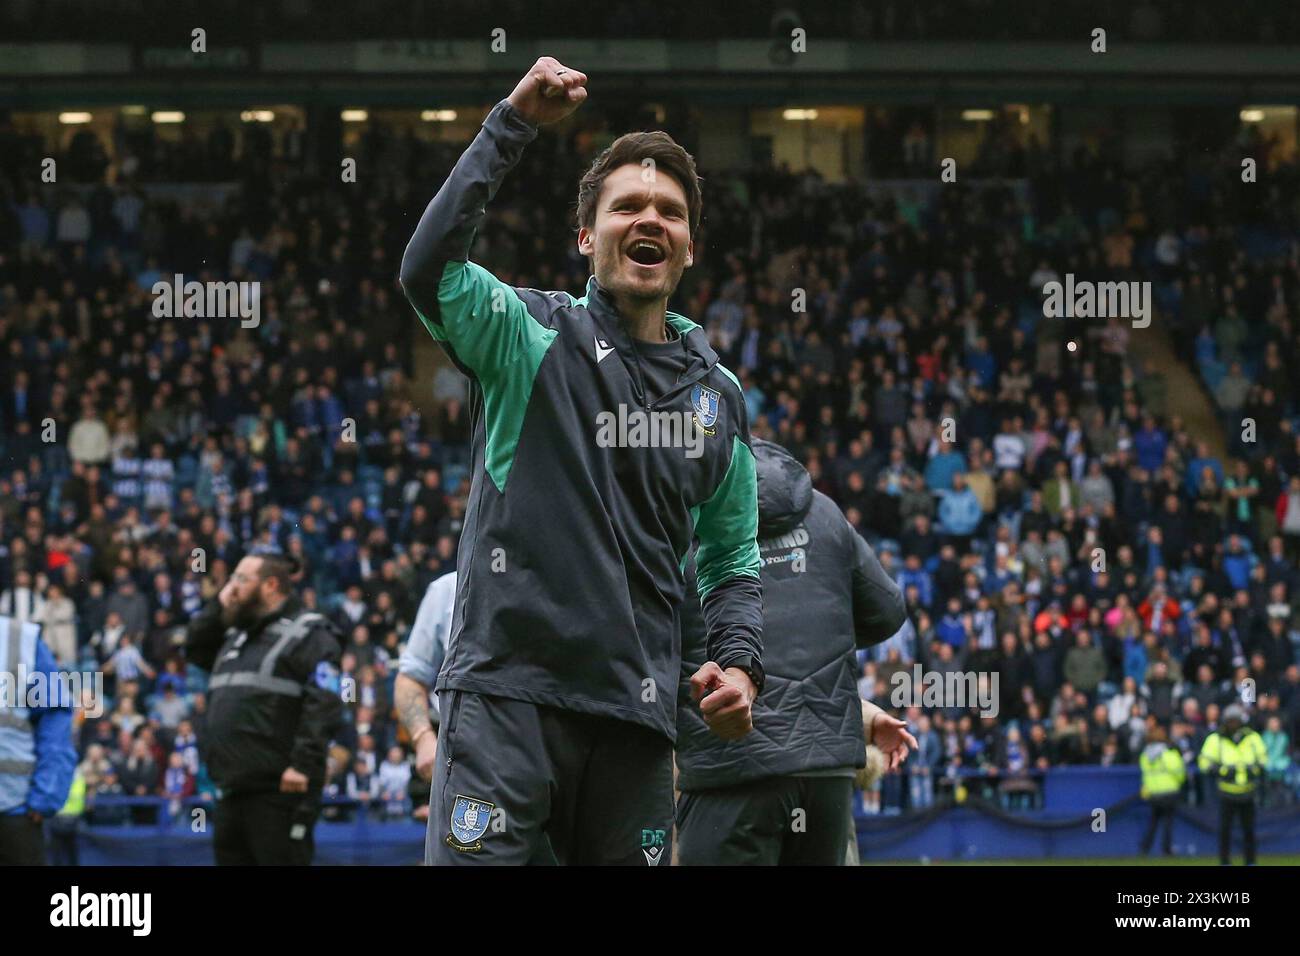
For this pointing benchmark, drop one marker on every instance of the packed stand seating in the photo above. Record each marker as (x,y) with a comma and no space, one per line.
(986,451)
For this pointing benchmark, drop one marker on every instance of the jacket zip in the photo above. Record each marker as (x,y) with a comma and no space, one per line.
(683,383)
(447,738)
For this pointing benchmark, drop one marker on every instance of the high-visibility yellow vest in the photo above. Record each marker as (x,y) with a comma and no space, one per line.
(76,803)
(1162,770)
(1244,758)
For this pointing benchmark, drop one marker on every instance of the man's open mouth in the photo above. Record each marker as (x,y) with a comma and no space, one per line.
(646,252)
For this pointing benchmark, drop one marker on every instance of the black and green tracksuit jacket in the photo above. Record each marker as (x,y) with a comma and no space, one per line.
(570,562)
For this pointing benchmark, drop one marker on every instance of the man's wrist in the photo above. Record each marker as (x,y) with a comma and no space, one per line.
(426,729)
(751,666)
(512,117)
(753,688)
(295,764)
(870,713)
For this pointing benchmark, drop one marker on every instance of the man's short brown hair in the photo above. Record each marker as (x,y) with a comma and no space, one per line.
(634,148)
(280,566)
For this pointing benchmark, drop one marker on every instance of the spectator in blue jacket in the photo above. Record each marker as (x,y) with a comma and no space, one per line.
(1237,564)
(959,512)
(37,759)
(926,764)
(944,466)
(1135,658)
(329,412)
(1149,444)
(982,364)
(914,575)
(1197,465)
(951,628)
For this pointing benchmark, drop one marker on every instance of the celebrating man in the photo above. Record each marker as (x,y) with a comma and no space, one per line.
(557,694)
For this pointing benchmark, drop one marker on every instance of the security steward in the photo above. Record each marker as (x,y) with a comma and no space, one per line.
(1163,776)
(1235,754)
(273,705)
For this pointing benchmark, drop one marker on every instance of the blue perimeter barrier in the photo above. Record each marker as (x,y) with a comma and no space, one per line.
(1067,826)
(1085,813)
(172,841)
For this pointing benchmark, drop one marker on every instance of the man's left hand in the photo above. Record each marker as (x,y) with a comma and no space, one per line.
(725,699)
(291,781)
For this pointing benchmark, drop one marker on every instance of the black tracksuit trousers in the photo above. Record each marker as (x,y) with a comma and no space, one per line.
(22,842)
(780,821)
(1230,807)
(1162,811)
(265,829)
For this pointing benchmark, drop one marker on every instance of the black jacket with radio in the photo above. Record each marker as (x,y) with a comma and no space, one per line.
(274,698)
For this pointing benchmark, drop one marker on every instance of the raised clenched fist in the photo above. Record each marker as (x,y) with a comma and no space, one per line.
(548,92)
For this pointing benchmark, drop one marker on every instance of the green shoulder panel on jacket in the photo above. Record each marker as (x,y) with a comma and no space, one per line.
(492,332)
(680,323)
(735,381)
(727,524)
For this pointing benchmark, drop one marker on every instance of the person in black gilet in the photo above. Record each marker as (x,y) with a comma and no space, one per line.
(783,794)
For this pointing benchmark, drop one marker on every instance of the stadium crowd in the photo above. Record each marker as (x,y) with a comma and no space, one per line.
(1046,510)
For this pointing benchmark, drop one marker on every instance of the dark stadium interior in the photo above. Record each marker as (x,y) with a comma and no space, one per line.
(1253,21)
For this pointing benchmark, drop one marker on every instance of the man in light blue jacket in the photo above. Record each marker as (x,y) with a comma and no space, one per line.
(959,513)
(37,759)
